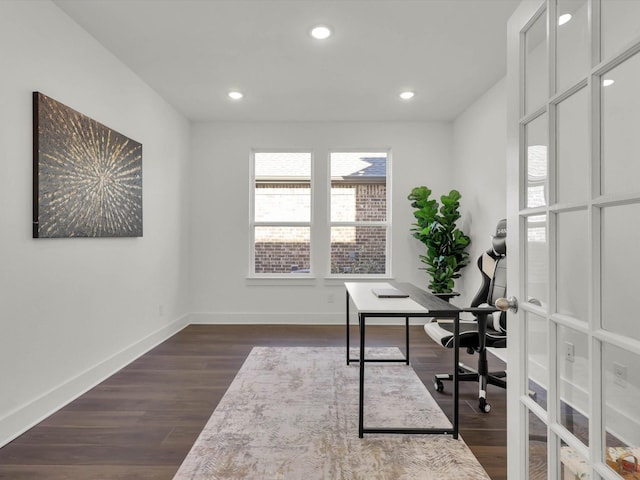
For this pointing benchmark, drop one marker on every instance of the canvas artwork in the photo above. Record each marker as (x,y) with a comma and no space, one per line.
(87,178)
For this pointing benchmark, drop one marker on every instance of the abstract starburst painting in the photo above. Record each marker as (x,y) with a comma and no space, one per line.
(87,178)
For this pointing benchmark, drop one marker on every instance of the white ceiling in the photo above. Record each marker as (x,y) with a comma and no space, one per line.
(192,52)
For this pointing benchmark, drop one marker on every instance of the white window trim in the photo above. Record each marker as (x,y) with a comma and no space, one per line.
(341,277)
(317,265)
(254,278)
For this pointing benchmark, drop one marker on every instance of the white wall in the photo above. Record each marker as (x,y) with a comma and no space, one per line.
(220,187)
(72,311)
(479,153)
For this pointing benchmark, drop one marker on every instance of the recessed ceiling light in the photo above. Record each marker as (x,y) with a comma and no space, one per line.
(562,19)
(407,95)
(321,32)
(236,95)
(608,81)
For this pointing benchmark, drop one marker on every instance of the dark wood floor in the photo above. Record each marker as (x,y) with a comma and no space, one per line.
(141,422)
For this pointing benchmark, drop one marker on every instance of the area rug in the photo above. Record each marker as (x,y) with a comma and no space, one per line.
(292,413)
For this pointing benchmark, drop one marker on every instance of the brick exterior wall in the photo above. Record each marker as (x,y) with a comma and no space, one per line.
(281,257)
(353,249)
(366,254)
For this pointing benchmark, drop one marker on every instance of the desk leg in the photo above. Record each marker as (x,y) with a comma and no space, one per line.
(406,329)
(361,402)
(456,361)
(347,309)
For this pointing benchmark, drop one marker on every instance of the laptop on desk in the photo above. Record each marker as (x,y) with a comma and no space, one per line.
(389,293)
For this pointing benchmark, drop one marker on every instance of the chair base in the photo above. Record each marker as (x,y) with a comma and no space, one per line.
(468,374)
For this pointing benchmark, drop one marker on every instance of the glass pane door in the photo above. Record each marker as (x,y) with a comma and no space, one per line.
(573,176)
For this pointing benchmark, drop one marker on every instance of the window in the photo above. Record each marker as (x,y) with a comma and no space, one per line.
(283,208)
(358,213)
(282,212)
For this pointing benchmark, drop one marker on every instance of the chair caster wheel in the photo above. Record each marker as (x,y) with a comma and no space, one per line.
(438,385)
(484,406)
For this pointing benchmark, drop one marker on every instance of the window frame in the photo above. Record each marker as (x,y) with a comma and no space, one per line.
(386,223)
(319,223)
(253,223)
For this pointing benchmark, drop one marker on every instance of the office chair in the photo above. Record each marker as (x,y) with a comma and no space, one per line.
(487,329)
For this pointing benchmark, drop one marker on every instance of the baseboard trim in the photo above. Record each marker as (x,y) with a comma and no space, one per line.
(25,417)
(238,318)
(319,318)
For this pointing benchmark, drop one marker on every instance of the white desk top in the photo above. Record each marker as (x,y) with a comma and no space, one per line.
(367,302)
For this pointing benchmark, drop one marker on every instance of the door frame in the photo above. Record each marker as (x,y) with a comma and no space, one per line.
(516,369)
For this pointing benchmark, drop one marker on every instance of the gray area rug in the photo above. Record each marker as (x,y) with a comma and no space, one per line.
(292,413)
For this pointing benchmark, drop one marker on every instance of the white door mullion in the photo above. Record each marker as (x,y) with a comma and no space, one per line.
(517,411)
(597,441)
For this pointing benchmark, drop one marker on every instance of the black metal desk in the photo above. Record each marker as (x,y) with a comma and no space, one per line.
(419,304)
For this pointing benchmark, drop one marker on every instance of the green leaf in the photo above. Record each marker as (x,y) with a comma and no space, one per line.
(445,244)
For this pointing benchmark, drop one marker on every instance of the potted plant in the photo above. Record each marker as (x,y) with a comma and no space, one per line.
(446,244)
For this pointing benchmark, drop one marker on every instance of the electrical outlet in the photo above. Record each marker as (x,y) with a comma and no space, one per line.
(620,374)
(331,298)
(569,352)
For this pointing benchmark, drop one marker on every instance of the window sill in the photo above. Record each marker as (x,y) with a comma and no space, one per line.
(289,280)
(304,280)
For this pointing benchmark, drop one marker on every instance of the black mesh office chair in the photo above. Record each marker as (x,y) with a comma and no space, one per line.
(488,329)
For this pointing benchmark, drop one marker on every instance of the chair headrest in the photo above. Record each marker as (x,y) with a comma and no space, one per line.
(500,238)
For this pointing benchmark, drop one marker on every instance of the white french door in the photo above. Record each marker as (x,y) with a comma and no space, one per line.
(573,171)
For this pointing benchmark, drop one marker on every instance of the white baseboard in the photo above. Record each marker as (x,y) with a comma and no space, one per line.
(236,318)
(252,318)
(23,418)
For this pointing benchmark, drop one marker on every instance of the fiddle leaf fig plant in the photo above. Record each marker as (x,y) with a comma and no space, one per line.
(436,228)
